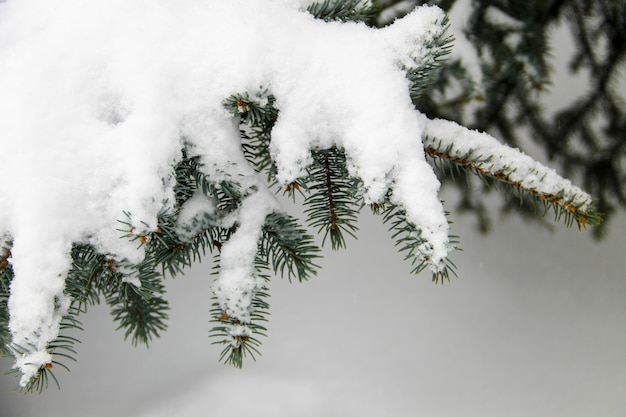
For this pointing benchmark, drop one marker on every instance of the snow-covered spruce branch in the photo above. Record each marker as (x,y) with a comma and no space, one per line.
(408,238)
(59,351)
(261,238)
(154,145)
(485,156)
(283,247)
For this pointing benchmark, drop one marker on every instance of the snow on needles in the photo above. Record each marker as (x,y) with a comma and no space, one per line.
(495,157)
(98,98)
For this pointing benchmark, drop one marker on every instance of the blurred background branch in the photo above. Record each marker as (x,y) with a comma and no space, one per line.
(500,79)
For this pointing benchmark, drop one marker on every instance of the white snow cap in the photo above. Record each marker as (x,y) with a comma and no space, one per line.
(96,96)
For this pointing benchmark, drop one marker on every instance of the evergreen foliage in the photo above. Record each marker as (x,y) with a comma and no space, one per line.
(330,204)
(450,162)
(61,349)
(343,10)
(333,198)
(411,242)
(513,40)
(6,274)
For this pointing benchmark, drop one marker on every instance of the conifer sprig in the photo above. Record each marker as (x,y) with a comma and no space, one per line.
(567,205)
(257,115)
(424,75)
(185,175)
(240,338)
(138,304)
(83,291)
(332,202)
(61,349)
(91,275)
(512,42)
(412,244)
(343,10)
(177,246)
(291,249)
(284,248)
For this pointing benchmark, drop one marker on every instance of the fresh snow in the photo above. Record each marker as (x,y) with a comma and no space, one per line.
(495,157)
(237,282)
(98,98)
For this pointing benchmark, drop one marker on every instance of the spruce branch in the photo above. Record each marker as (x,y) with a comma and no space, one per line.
(425,74)
(485,157)
(332,202)
(292,251)
(240,336)
(256,109)
(240,339)
(176,246)
(410,241)
(258,115)
(137,303)
(61,349)
(84,283)
(91,275)
(513,42)
(191,176)
(185,175)
(283,247)
(343,10)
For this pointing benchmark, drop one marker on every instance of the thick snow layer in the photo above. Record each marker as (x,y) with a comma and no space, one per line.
(99,97)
